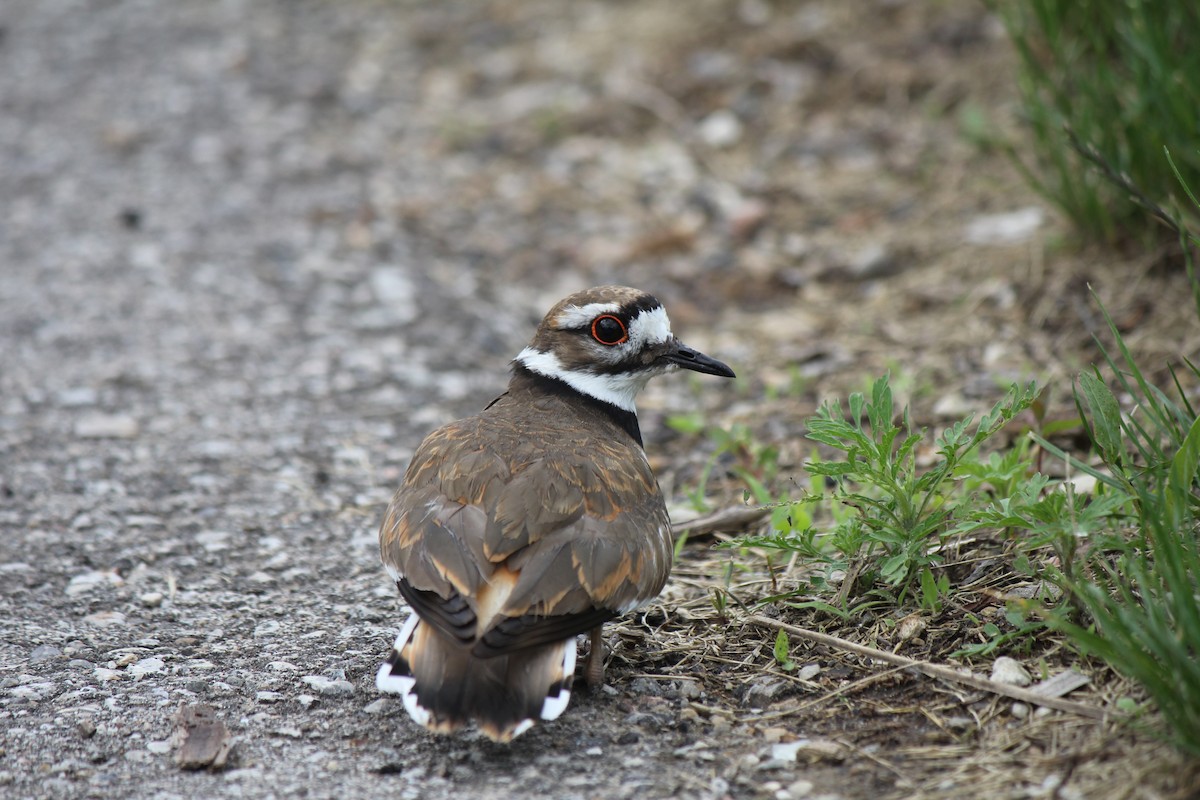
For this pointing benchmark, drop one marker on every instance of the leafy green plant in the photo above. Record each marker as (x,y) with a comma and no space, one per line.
(898,513)
(1107,85)
(1021,631)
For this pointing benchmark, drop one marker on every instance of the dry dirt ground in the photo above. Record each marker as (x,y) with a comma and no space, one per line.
(251,250)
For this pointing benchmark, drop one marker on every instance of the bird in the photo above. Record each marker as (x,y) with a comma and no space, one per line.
(535,521)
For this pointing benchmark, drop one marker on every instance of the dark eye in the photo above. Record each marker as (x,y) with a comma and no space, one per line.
(608,329)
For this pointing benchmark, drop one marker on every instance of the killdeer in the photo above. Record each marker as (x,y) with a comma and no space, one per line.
(536,520)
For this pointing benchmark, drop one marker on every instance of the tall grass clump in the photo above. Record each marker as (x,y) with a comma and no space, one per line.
(1137,596)
(1105,86)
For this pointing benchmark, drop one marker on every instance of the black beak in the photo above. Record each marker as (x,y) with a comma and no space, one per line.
(696,361)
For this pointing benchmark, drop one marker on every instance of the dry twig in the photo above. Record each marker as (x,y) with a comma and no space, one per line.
(935,670)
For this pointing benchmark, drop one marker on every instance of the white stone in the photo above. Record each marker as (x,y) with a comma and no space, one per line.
(147,666)
(105,618)
(107,426)
(721,129)
(1009,670)
(87,581)
(1007,228)
(328,686)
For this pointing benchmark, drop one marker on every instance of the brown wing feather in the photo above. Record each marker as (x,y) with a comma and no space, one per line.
(580,523)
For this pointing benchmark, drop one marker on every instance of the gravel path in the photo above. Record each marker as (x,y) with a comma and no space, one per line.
(221,333)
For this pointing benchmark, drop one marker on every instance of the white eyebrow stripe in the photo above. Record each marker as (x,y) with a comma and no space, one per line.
(579,316)
(649,327)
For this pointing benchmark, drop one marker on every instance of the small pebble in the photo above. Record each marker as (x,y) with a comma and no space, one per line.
(151,599)
(44,652)
(87,581)
(107,426)
(268,697)
(147,666)
(1009,670)
(721,129)
(327,686)
(1005,228)
(378,707)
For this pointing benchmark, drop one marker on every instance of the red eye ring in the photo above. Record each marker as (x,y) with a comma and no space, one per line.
(606,333)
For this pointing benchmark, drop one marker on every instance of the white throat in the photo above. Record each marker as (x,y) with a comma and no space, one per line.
(618,389)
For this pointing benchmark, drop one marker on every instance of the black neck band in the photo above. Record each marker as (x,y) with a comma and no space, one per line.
(627,420)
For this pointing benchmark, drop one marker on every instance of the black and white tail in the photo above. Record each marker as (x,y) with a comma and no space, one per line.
(444,687)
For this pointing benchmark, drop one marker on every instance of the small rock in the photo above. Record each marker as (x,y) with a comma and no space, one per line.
(721,129)
(594,752)
(107,426)
(763,690)
(266,628)
(44,652)
(1020,710)
(808,672)
(87,581)
(34,692)
(86,728)
(305,700)
(268,697)
(213,541)
(754,13)
(394,290)
(773,735)
(105,618)
(159,748)
(77,397)
(206,740)
(151,599)
(811,750)
(800,788)
(328,686)
(147,666)
(645,686)
(1007,228)
(911,626)
(747,218)
(104,675)
(378,707)
(872,261)
(1009,670)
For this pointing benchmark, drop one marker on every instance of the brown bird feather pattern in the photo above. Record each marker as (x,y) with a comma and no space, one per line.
(532,522)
